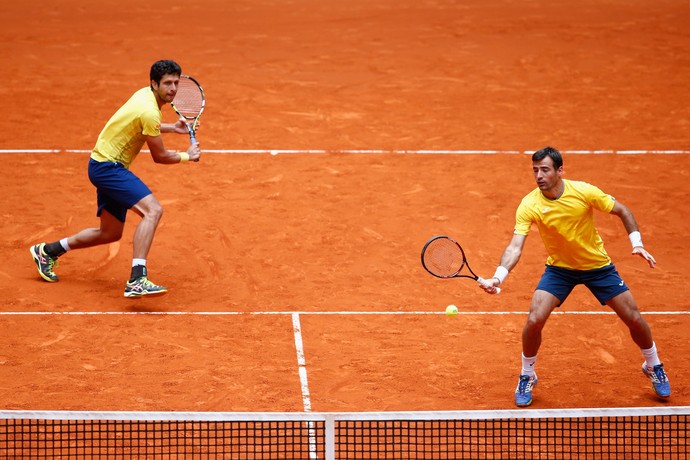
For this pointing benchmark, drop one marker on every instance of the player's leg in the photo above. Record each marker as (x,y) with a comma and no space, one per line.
(610,289)
(46,255)
(119,188)
(151,213)
(625,307)
(110,230)
(554,287)
(543,303)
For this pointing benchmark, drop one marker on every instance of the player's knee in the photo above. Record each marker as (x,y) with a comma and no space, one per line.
(535,322)
(155,212)
(636,322)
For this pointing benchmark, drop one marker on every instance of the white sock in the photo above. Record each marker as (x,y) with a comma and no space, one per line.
(63,243)
(136,262)
(528,365)
(651,358)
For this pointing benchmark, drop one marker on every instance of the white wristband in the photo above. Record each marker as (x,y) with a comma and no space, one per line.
(636,239)
(501,273)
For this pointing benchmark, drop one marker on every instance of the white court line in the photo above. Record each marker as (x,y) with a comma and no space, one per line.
(301,362)
(304,313)
(381,151)
(304,382)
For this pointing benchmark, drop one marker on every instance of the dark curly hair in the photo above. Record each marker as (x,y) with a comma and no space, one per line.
(163,67)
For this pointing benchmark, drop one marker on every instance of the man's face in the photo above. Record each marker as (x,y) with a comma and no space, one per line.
(167,88)
(546,175)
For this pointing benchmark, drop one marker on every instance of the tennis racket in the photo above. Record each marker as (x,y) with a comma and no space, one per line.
(443,257)
(189,103)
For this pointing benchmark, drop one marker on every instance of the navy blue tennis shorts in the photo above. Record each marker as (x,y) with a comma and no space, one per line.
(117,188)
(605,283)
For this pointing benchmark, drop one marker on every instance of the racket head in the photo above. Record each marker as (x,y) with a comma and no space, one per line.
(189,101)
(443,257)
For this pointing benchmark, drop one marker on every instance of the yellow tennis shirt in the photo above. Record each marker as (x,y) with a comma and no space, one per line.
(123,136)
(566,224)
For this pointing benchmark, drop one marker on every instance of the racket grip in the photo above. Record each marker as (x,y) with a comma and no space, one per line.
(192,138)
(483,282)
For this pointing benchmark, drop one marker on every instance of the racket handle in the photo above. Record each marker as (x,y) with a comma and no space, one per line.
(483,282)
(192,138)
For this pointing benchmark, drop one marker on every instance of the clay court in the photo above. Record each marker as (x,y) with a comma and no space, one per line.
(392,95)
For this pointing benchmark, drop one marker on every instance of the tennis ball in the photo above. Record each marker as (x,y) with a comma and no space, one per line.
(451,310)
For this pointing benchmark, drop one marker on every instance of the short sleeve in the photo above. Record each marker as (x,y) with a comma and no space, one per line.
(598,199)
(523,222)
(151,123)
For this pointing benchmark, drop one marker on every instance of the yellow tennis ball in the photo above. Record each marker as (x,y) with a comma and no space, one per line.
(451,310)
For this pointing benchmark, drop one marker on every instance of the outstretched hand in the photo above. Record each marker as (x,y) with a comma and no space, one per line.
(642,252)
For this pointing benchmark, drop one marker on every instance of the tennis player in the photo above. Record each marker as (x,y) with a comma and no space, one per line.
(118,190)
(562,210)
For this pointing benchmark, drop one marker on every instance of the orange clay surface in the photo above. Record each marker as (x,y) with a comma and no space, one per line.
(336,237)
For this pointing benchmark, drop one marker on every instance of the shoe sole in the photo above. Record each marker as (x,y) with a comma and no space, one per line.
(37,259)
(138,295)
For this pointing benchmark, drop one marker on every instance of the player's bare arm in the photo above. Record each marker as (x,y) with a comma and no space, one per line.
(630,224)
(179,127)
(512,253)
(163,156)
(509,259)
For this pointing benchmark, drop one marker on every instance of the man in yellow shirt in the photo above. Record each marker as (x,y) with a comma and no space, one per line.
(118,190)
(563,212)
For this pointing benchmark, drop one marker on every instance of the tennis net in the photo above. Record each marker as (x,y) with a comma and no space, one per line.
(629,433)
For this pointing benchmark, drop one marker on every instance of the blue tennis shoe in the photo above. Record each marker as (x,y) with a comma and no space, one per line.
(660,383)
(523,392)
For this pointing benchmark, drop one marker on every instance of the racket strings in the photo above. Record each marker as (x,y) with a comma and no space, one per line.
(189,100)
(443,258)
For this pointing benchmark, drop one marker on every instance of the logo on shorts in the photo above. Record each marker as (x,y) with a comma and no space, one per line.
(621,283)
